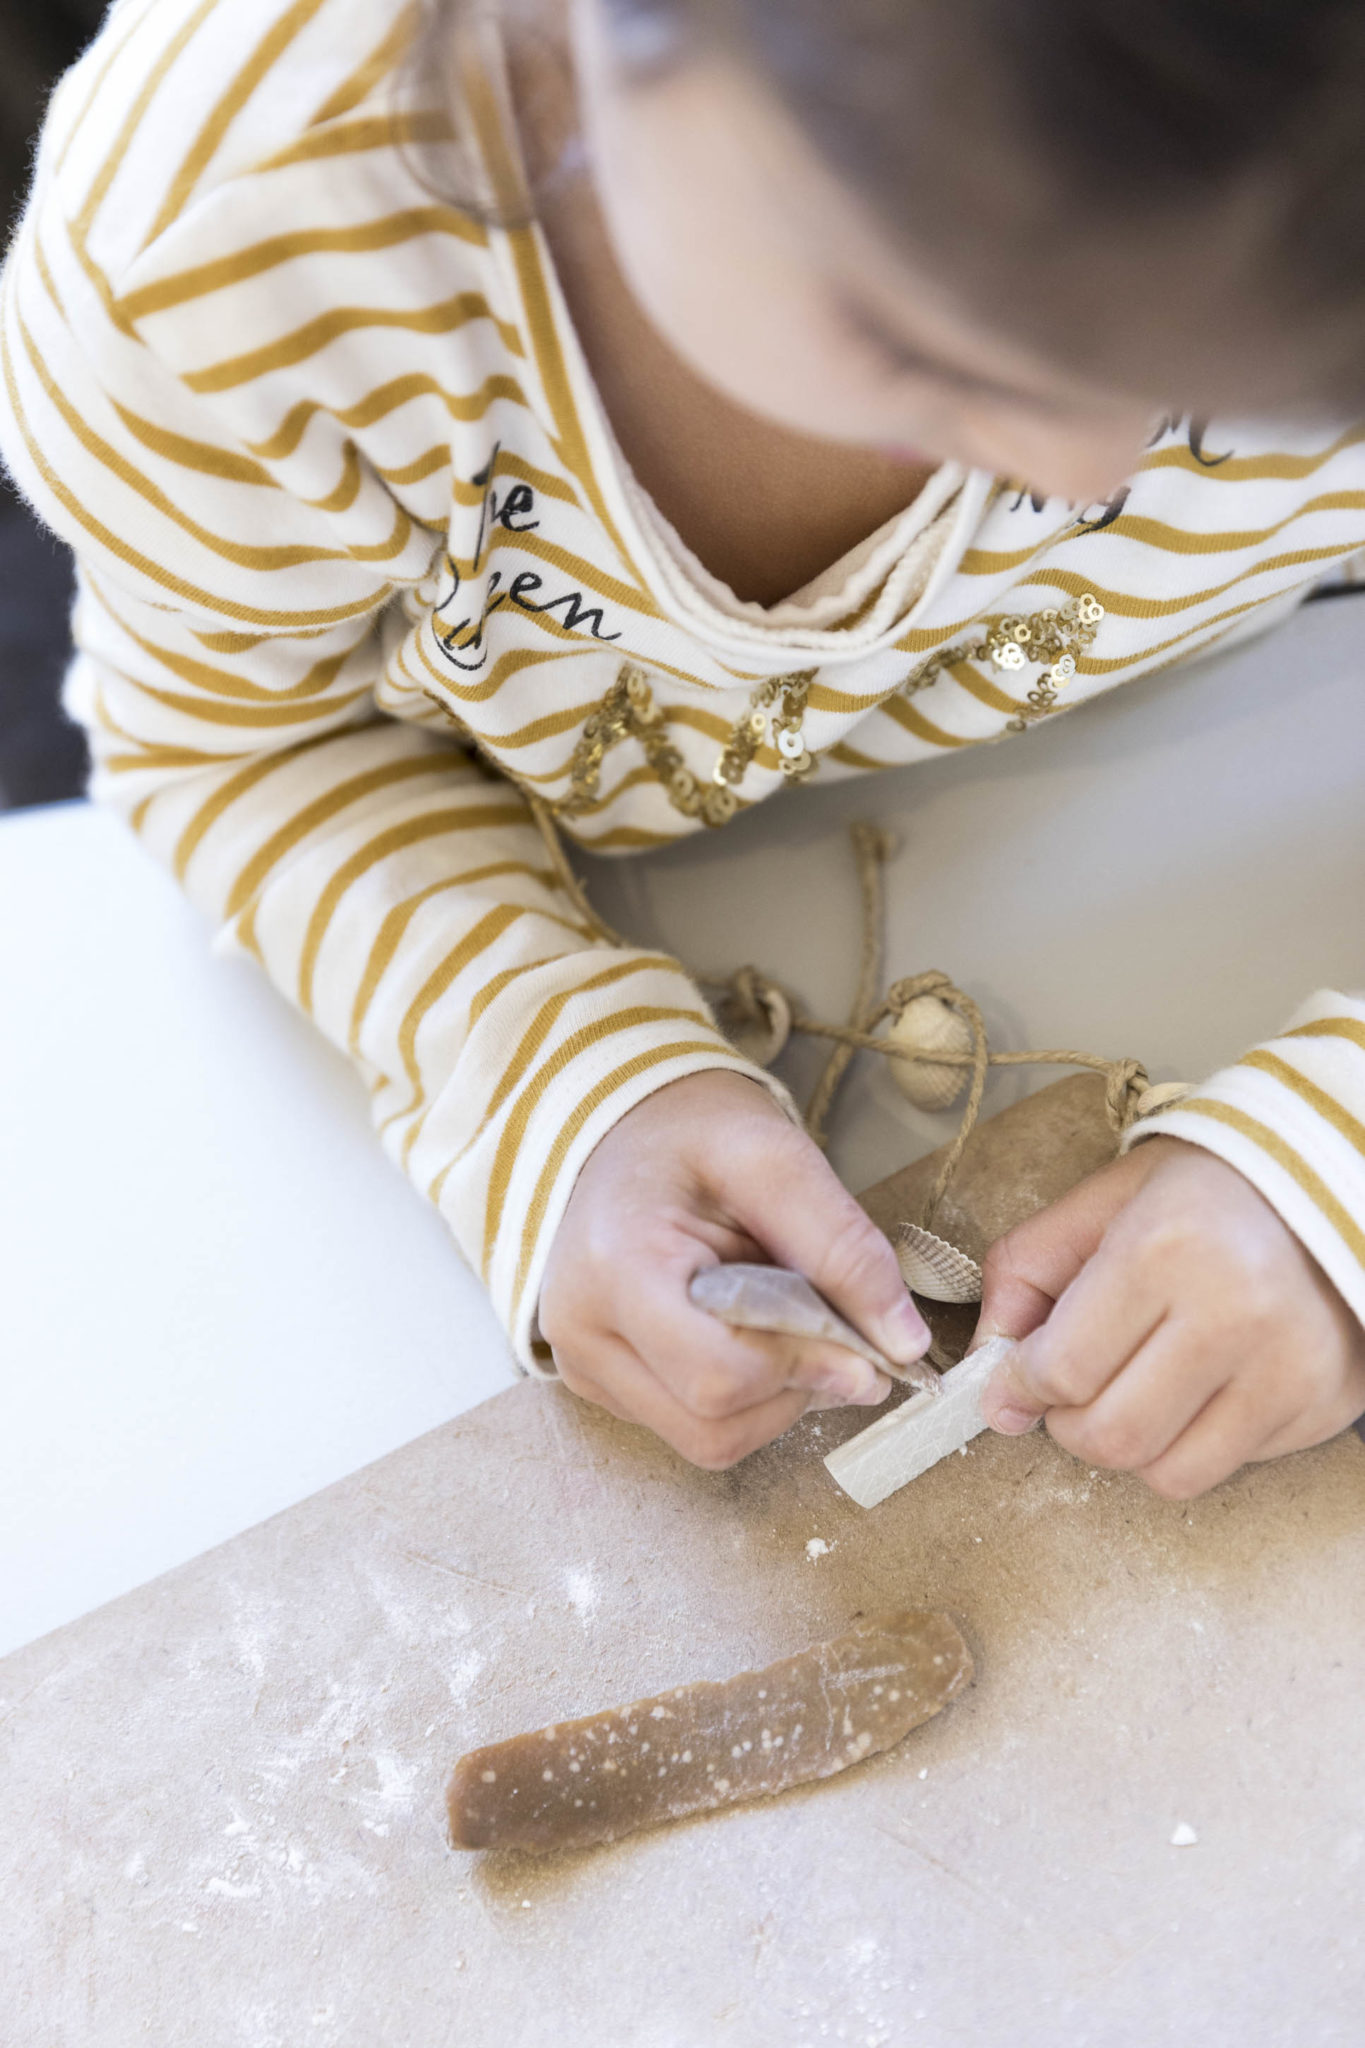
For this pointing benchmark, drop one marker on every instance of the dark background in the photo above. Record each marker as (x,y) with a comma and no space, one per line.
(42,756)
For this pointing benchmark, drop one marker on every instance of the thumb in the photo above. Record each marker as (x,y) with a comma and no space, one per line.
(1029,1269)
(792,1203)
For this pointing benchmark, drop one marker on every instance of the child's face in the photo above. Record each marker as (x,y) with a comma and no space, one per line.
(765,274)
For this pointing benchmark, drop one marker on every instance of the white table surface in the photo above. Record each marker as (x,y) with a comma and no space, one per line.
(216,1294)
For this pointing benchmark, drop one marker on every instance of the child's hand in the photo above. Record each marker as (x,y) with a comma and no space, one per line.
(709,1170)
(1191,1331)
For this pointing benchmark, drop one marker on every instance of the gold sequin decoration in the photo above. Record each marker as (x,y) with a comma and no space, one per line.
(1056,638)
(629,711)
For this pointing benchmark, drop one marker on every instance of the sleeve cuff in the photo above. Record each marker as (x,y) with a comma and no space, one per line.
(1290,1115)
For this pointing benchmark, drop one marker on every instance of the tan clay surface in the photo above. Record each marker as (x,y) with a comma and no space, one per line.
(223,1806)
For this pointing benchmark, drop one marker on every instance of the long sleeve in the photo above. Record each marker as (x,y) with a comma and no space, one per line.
(231,640)
(1290,1115)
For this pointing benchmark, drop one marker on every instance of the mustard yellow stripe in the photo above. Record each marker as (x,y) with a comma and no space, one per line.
(928,639)
(85,219)
(1274,1146)
(904,714)
(530,260)
(632,779)
(1327,1107)
(506,666)
(420,1109)
(533,1093)
(547,727)
(227,793)
(419,469)
(489,994)
(491,990)
(117,44)
(535,1035)
(843,703)
(356,138)
(975,684)
(543,481)
(599,581)
(44,269)
(1122,605)
(383,400)
(76,510)
(642,1064)
(381,63)
(238,643)
(1175,540)
(849,757)
(390,934)
(250,718)
(346,490)
(203,456)
(160,758)
(1331,1027)
(221,682)
(318,333)
(1240,469)
(320,812)
(707,722)
(236,552)
(395,839)
(386,231)
(477,940)
(527,255)
(998,562)
(213,133)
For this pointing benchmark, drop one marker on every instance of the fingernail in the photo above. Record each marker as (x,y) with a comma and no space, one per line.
(1013,1421)
(848,1389)
(904,1333)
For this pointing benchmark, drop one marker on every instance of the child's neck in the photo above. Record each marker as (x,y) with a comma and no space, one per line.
(765,509)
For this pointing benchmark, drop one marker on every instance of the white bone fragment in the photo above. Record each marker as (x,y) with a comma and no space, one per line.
(773,1298)
(882,1459)
(934,1268)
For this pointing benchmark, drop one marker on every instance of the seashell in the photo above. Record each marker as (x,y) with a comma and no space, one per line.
(759,1037)
(1162,1095)
(773,1298)
(929,1025)
(934,1268)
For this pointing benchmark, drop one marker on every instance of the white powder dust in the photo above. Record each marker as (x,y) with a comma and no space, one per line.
(583,1591)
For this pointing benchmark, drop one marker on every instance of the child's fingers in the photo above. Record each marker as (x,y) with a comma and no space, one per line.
(621,1381)
(1031,1267)
(1109,1310)
(1148,1405)
(716,1370)
(789,1198)
(1228,1431)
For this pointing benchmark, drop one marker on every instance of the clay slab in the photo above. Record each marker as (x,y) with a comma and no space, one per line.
(223,1792)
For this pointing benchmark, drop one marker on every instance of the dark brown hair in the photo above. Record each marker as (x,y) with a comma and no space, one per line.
(1060,161)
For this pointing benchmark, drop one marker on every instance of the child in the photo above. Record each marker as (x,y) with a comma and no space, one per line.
(786,391)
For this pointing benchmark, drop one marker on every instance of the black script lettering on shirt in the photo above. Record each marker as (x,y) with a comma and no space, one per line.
(462,641)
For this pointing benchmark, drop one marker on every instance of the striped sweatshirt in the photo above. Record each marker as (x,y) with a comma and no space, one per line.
(366,589)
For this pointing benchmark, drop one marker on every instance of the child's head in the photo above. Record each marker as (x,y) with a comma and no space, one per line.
(1011,231)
